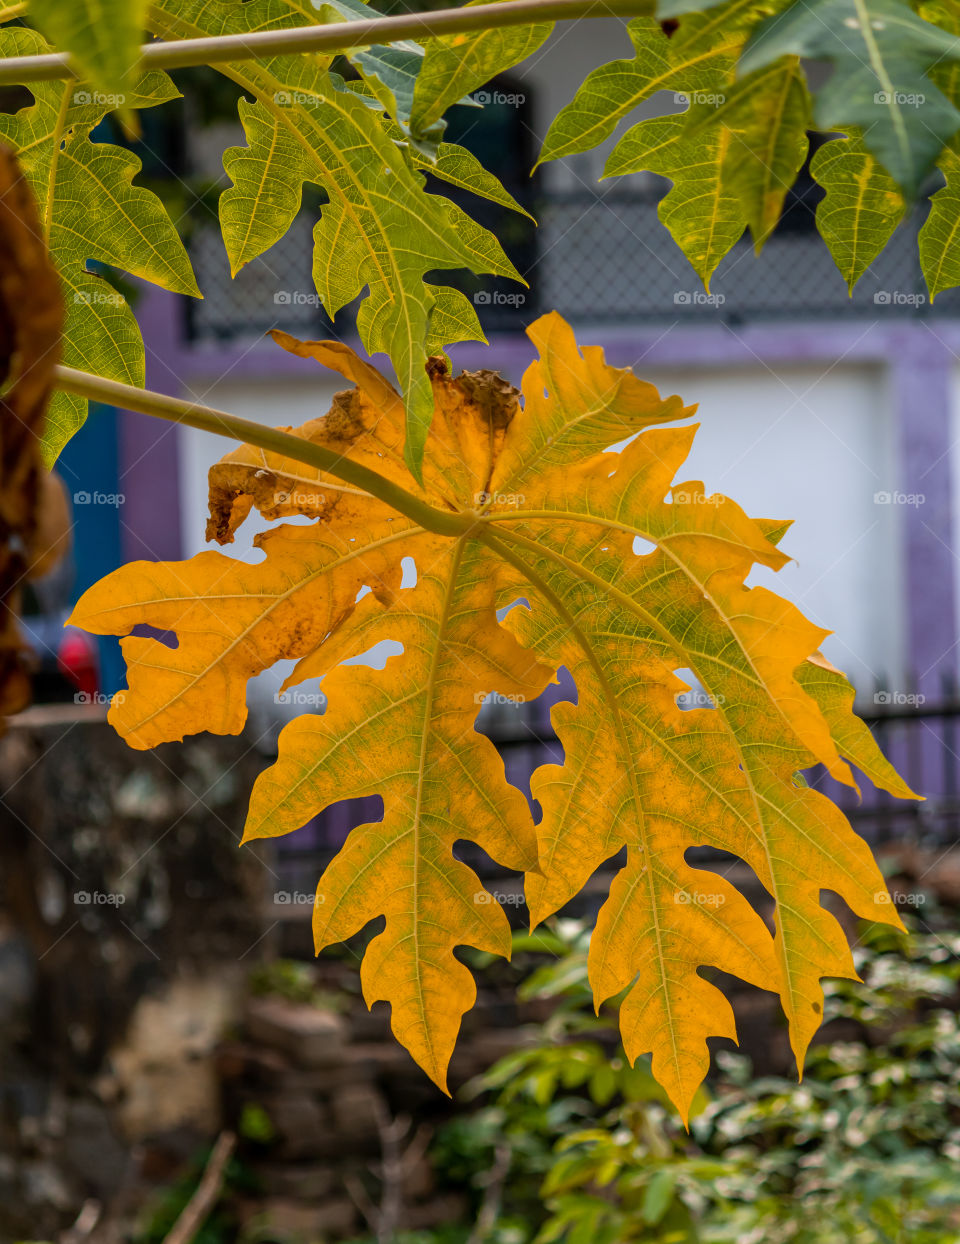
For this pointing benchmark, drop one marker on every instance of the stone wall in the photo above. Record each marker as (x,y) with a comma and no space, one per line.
(126,914)
(130,923)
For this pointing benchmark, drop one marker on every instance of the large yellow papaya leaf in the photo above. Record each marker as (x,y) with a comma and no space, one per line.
(632,581)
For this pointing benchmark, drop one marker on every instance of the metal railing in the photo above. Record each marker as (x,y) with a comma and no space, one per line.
(919,737)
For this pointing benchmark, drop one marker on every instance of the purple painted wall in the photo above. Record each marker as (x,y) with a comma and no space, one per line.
(148,450)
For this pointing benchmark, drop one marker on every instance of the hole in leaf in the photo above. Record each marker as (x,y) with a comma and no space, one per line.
(377,656)
(502,612)
(523,733)
(169,639)
(619,446)
(694,696)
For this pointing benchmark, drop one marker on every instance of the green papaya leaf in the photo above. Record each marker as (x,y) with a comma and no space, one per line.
(939,241)
(718,184)
(767,114)
(704,217)
(939,237)
(459,167)
(91,210)
(861,206)
(454,65)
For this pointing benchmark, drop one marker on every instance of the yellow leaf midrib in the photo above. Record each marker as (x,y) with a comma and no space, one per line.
(448,594)
(56,137)
(613,704)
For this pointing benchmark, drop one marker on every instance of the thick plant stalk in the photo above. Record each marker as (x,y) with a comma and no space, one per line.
(195,415)
(336,37)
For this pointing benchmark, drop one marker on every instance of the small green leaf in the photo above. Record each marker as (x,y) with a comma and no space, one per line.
(267,190)
(453,319)
(459,167)
(454,65)
(704,217)
(938,239)
(940,234)
(767,114)
(91,210)
(703,214)
(658,1196)
(612,92)
(861,207)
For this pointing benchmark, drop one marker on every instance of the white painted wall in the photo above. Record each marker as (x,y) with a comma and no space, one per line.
(801,444)
(816,448)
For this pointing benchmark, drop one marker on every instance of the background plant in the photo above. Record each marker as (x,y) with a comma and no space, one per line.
(864,1150)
